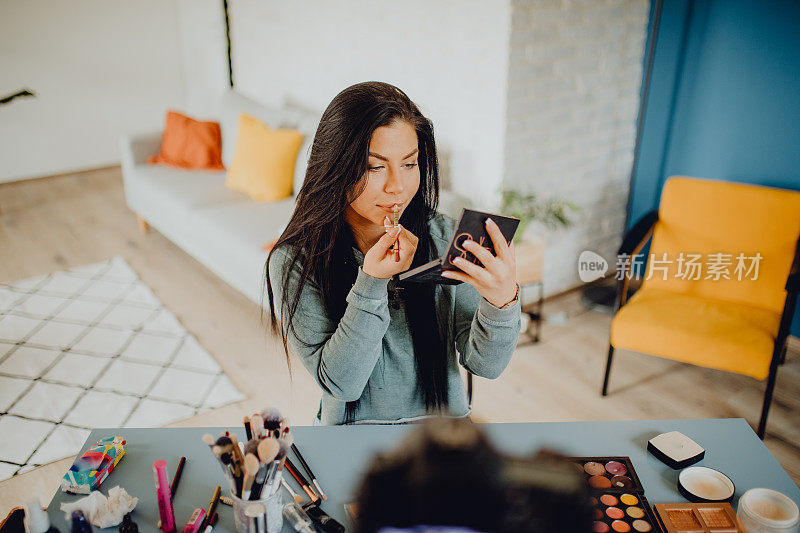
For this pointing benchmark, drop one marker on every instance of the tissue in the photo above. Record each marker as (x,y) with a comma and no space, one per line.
(101,511)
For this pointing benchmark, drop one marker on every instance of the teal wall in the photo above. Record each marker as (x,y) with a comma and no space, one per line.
(724,98)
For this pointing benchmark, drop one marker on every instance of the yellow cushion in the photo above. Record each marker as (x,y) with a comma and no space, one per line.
(711,333)
(708,217)
(263,160)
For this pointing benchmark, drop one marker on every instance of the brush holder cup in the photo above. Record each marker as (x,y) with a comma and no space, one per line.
(274,518)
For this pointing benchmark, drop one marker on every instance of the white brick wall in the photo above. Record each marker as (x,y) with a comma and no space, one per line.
(574,74)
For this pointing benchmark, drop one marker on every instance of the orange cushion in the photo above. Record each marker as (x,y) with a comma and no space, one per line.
(712,333)
(190,143)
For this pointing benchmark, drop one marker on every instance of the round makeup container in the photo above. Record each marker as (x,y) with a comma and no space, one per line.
(768,511)
(702,484)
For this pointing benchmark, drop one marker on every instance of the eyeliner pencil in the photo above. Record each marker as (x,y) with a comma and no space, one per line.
(308,469)
(176,479)
(301,480)
(212,506)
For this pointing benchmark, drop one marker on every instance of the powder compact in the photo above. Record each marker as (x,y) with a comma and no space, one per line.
(703,484)
(617,495)
(675,449)
(698,518)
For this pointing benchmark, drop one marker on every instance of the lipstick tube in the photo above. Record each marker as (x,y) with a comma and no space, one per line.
(164,497)
(193,525)
(396,245)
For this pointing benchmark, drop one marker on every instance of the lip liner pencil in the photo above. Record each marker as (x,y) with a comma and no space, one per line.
(396,245)
(211,523)
(301,480)
(176,479)
(308,469)
(212,506)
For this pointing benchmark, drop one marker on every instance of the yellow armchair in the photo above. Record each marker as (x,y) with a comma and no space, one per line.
(721,280)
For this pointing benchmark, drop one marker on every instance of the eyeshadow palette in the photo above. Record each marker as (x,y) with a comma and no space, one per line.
(612,474)
(698,517)
(622,513)
(617,495)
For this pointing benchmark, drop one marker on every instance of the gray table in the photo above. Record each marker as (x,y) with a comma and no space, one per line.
(338,456)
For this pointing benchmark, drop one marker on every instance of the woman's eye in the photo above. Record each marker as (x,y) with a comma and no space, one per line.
(375,169)
(410,165)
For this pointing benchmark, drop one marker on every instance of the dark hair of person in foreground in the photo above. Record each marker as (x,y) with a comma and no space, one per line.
(446,473)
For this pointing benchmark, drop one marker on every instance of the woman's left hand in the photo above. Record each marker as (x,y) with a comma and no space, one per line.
(496,280)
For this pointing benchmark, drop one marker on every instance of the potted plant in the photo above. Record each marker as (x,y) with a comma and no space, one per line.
(528,207)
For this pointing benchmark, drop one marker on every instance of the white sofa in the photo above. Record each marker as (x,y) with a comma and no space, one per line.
(223,229)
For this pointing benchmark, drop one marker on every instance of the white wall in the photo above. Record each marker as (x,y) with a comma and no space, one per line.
(99,68)
(449,56)
(204,59)
(573,94)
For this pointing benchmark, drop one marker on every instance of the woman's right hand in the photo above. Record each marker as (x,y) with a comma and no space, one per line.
(379,261)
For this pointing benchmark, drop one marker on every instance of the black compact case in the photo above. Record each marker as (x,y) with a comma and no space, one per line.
(617,494)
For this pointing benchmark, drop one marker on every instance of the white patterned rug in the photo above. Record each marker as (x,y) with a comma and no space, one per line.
(93,347)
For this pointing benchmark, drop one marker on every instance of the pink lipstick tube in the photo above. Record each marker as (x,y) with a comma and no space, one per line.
(164,497)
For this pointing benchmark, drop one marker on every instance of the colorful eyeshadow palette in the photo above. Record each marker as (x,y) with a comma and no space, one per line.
(623,513)
(613,474)
(698,517)
(617,496)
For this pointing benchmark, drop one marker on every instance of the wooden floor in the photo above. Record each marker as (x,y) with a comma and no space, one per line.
(61,222)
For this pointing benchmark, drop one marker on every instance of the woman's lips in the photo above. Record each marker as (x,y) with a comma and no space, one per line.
(390,208)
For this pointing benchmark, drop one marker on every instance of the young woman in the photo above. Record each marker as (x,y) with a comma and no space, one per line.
(380,351)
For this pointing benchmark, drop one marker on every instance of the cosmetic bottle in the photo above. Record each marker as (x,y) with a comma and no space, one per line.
(36,520)
(321,519)
(128,525)
(79,523)
(297,518)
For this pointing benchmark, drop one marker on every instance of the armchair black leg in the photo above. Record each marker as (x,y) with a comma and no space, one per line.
(608,369)
(773,373)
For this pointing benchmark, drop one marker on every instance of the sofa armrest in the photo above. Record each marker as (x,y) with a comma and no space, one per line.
(136,148)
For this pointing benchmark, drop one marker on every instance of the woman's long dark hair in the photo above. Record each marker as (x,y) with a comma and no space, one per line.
(319,241)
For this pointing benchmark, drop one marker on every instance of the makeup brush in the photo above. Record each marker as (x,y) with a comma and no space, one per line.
(251,466)
(259,481)
(273,420)
(248,432)
(209,440)
(296,497)
(268,448)
(301,480)
(274,480)
(224,450)
(257,425)
(307,468)
(252,446)
(237,450)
